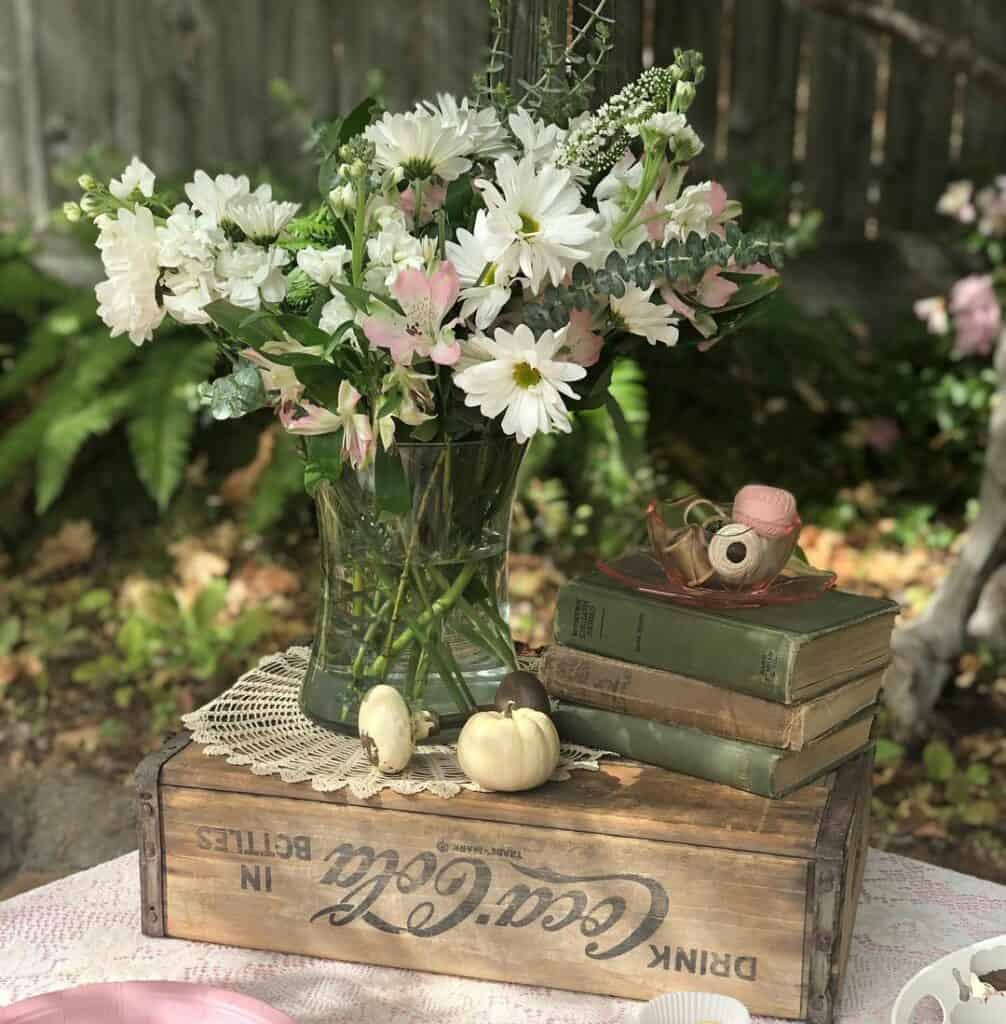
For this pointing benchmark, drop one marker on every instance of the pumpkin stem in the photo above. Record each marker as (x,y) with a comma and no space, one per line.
(508,710)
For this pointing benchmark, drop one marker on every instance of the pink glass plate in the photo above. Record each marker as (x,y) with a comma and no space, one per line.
(142,1002)
(642,572)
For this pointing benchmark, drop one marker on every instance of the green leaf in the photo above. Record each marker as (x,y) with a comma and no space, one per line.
(322,381)
(162,422)
(939,761)
(981,812)
(360,298)
(245,326)
(391,488)
(357,119)
(209,604)
(237,394)
(301,329)
(628,443)
(324,460)
(887,751)
(978,774)
(43,351)
(64,438)
(10,634)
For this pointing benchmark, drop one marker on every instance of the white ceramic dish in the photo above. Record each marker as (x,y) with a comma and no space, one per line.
(940,980)
(694,1008)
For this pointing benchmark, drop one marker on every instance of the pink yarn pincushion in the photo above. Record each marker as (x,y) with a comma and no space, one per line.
(769,511)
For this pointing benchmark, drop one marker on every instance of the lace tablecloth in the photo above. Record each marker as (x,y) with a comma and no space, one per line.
(85,928)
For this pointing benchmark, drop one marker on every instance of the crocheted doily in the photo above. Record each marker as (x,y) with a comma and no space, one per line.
(258,722)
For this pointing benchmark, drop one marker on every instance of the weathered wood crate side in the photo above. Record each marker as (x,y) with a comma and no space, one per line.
(531,889)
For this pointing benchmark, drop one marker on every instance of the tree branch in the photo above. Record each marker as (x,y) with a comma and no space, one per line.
(930,42)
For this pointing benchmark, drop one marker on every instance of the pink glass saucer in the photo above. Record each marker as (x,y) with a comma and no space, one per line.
(142,1002)
(643,573)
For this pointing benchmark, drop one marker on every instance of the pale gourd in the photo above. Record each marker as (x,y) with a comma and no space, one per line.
(386,728)
(509,750)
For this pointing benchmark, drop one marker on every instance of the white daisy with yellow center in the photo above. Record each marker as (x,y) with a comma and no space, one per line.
(519,376)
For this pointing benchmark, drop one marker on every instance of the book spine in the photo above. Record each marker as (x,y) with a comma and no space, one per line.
(730,762)
(623,625)
(663,696)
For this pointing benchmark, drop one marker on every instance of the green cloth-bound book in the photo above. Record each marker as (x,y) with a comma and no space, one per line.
(786,653)
(766,771)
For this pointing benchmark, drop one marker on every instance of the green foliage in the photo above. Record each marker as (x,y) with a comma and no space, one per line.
(68,383)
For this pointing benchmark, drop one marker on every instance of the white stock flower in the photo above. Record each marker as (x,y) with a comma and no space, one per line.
(189,245)
(538,139)
(469,254)
(638,315)
(259,217)
(691,211)
(481,127)
(248,274)
(667,124)
(324,265)
(212,196)
(420,144)
(137,175)
(127,301)
(522,379)
(392,249)
(535,224)
(336,312)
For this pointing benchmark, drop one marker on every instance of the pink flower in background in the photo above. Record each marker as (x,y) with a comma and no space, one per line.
(425,300)
(977,315)
(583,344)
(933,312)
(433,199)
(956,201)
(882,433)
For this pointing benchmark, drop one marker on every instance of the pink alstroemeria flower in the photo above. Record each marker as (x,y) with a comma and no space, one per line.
(977,315)
(425,300)
(433,199)
(583,344)
(308,419)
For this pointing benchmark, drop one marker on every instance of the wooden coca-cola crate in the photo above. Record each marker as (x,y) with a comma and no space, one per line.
(630,881)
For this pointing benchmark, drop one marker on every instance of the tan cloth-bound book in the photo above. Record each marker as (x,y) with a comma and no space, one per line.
(660,696)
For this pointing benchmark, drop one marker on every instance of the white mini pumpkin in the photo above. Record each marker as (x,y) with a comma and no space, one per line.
(509,750)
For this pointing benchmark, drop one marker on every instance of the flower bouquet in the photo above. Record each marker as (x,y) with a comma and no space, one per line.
(468,277)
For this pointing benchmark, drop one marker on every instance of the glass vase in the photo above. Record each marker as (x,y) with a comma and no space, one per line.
(418,599)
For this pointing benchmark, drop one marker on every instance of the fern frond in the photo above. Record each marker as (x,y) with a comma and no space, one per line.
(41,354)
(281,480)
(163,418)
(66,435)
(77,383)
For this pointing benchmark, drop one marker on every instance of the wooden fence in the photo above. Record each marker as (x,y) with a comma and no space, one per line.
(858,125)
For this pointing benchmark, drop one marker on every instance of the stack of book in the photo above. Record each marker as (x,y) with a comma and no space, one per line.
(762,699)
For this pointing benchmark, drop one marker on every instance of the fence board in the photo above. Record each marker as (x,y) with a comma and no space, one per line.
(12,133)
(919,111)
(836,171)
(765,67)
(984,149)
(626,58)
(693,26)
(522,34)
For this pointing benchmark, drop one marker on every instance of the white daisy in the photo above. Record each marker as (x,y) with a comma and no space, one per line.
(469,254)
(324,266)
(638,315)
(481,127)
(421,145)
(213,196)
(136,176)
(536,223)
(249,274)
(522,380)
(538,139)
(259,217)
(127,301)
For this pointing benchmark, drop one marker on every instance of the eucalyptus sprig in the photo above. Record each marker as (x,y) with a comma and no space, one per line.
(649,264)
